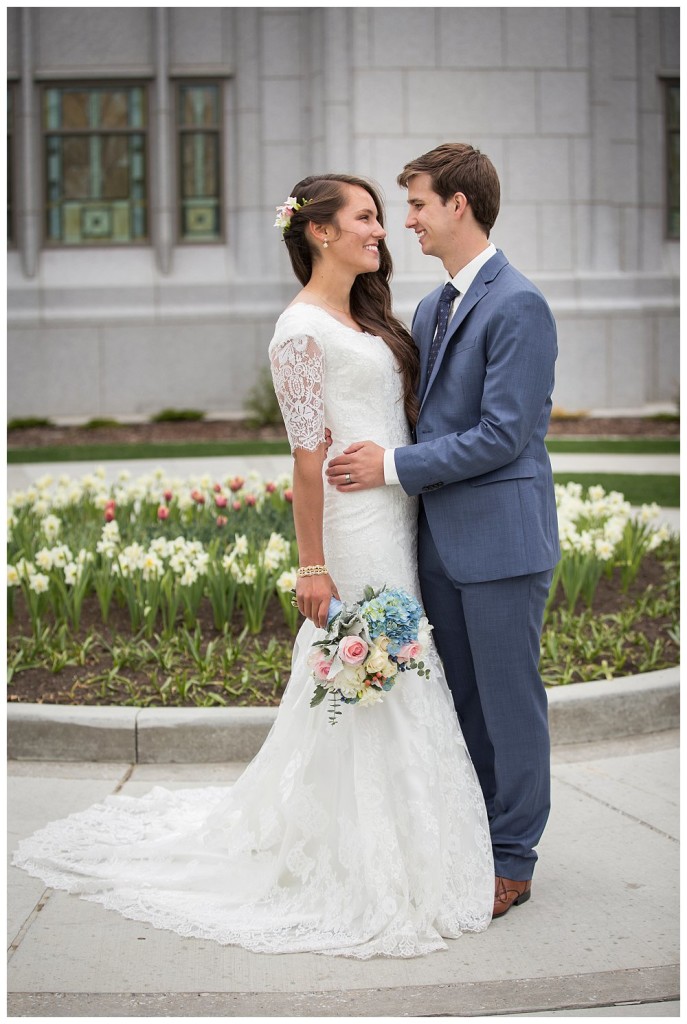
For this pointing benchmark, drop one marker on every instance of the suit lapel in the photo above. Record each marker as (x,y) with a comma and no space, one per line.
(477,290)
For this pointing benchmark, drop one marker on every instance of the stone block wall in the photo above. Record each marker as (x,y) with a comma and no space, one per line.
(568,103)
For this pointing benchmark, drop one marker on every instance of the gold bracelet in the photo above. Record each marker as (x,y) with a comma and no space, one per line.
(313,570)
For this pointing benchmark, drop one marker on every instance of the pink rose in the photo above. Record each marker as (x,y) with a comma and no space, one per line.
(353,650)
(163,512)
(321,666)
(409,651)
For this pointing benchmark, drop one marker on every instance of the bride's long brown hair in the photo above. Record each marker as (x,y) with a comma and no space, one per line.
(370,294)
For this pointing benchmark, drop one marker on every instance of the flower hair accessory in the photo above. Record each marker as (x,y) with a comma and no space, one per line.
(286,211)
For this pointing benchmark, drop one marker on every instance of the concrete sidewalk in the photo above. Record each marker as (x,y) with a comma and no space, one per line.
(601,930)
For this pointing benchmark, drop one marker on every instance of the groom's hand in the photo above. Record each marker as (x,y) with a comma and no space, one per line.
(360,467)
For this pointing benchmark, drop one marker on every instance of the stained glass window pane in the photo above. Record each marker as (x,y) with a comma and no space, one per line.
(75,158)
(96,179)
(75,110)
(199,106)
(114,110)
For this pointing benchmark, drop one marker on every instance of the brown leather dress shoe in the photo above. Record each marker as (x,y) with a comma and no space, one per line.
(508,893)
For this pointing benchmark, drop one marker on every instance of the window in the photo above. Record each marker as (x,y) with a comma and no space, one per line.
(11,233)
(95,158)
(199,119)
(673,156)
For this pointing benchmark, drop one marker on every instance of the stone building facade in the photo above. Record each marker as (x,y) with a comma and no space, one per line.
(148,148)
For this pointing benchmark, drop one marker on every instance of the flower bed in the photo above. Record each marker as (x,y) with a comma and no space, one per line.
(193,579)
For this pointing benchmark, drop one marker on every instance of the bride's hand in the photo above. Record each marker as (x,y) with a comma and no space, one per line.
(313,594)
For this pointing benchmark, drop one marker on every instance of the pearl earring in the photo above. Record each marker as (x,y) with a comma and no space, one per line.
(325,244)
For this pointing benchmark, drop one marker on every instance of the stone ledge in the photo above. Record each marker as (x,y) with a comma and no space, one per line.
(578,713)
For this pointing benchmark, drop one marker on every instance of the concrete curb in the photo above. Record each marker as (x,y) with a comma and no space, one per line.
(579,713)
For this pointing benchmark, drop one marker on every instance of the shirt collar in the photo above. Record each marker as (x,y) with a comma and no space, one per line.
(466,276)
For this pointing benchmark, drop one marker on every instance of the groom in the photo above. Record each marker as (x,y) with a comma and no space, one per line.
(488,539)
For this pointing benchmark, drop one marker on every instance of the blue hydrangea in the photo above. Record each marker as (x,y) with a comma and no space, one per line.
(395,614)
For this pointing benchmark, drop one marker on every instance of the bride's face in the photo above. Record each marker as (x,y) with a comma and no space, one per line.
(355,236)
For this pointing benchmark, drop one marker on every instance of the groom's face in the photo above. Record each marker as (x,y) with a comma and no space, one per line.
(432,220)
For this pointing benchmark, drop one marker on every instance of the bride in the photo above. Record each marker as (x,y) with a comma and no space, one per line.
(367,838)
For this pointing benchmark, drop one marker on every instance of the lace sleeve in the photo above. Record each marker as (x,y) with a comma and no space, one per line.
(298,375)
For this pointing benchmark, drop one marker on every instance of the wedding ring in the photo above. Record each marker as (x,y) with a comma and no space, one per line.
(348,478)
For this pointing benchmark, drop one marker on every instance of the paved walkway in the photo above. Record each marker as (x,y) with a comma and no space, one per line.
(601,929)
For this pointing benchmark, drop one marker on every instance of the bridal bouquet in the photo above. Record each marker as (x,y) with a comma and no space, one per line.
(366,647)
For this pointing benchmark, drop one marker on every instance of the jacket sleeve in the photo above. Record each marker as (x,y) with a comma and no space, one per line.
(521,352)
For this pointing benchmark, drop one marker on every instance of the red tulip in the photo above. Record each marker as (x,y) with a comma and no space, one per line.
(167,495)
(109,514)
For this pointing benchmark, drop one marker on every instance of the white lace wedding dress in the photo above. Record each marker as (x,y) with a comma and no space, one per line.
(365,838)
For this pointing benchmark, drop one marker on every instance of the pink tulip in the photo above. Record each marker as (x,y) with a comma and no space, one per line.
(221,521)
(163,512)
(109,514)
(236,505)
(217,488)
(288,495)
(167,495)
(270,488)
(250,500)
(237,483)
(198,497)
(221,500)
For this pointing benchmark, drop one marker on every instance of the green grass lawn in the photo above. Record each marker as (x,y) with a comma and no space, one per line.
(638,488)
(180,450)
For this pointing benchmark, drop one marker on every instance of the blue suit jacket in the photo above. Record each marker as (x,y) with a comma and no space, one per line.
(479,460)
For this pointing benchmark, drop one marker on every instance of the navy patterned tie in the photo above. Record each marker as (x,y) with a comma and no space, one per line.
(446,300)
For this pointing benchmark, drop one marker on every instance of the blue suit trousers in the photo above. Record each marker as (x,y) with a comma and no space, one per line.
(488,637)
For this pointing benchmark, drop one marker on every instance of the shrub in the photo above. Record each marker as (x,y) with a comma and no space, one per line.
(177,416)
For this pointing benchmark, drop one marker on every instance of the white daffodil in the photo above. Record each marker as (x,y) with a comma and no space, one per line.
(51,526)
(287,581)
(240,544)
(152,567)
(12,576)
(39,583)
(189,577)
(44,559)
(71,574)
(603,549)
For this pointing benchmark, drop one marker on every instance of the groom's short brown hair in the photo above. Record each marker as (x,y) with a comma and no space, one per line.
(459,167)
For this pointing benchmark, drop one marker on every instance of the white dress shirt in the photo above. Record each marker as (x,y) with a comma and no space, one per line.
(461,282)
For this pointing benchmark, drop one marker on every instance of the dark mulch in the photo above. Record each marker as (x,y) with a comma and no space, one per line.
(238,430)
(68,686)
